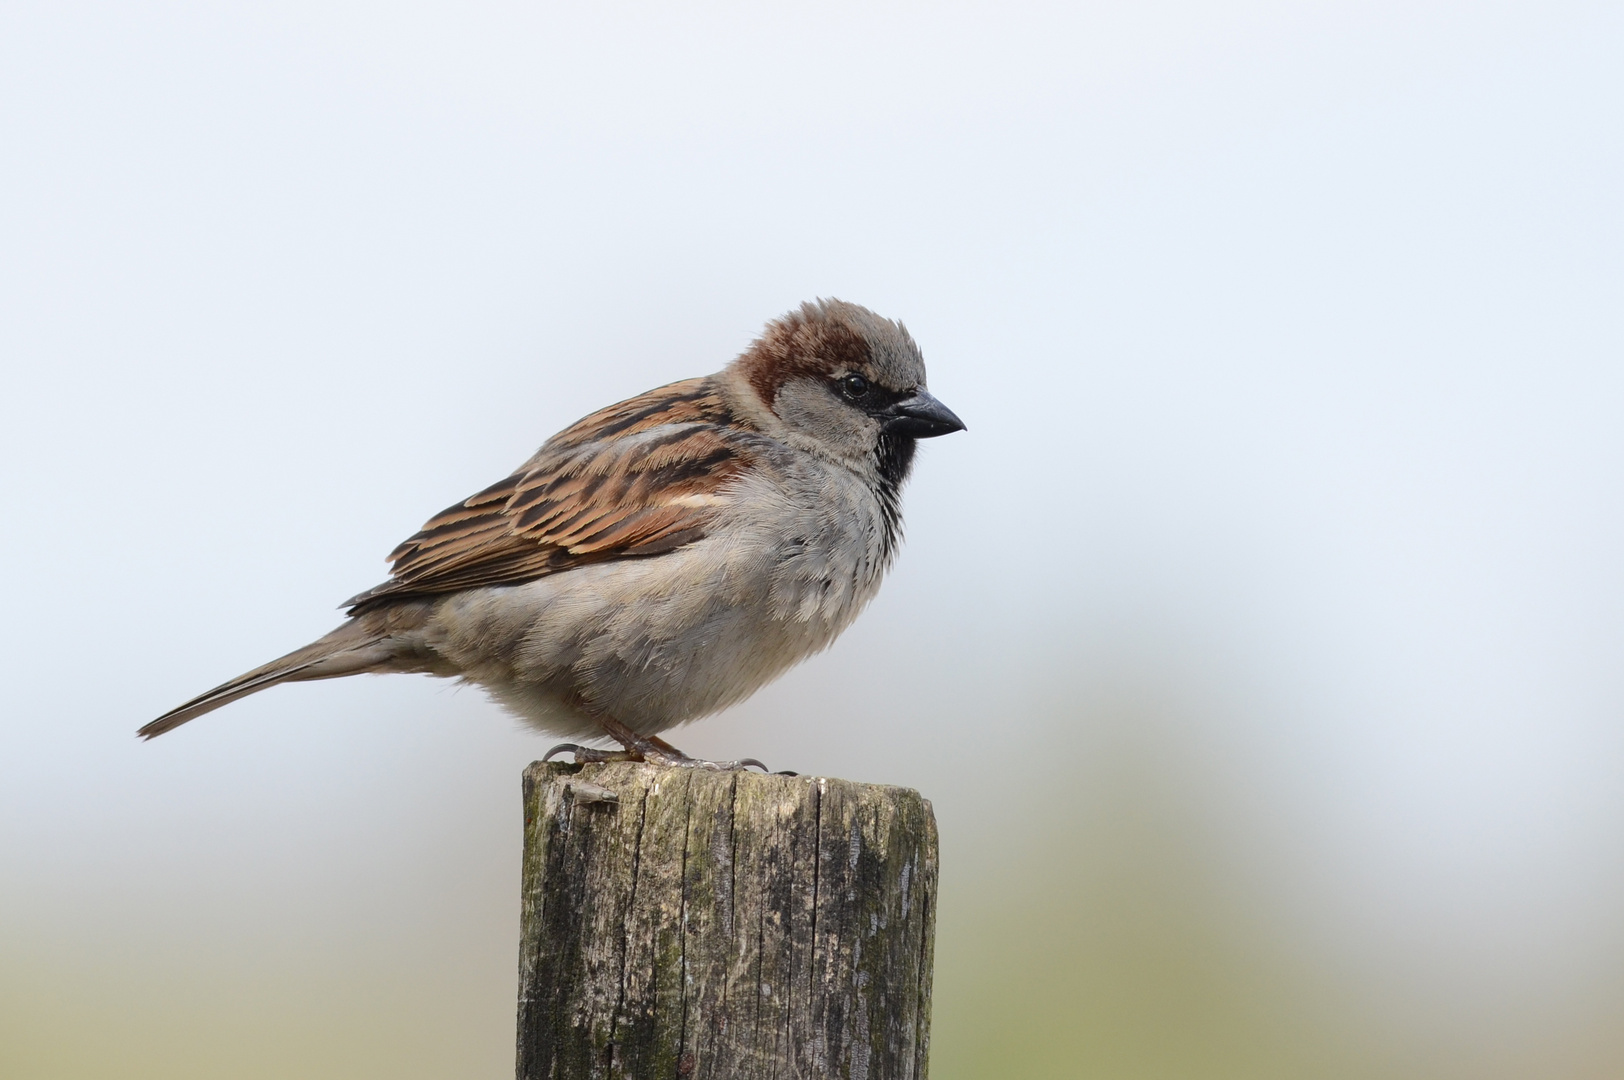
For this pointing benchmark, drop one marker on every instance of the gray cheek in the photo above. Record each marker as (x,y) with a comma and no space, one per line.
(810,409)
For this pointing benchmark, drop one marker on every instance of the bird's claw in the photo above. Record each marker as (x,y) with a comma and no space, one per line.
(683,761)
(585,755)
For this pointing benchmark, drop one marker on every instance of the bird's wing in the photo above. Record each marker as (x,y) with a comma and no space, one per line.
(636,479)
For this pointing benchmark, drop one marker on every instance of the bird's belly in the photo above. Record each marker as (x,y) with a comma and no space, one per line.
(658,641)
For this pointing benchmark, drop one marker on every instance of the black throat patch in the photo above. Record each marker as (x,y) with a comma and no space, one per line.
(893,457)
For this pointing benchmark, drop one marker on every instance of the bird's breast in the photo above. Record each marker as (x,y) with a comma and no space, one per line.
(786,565)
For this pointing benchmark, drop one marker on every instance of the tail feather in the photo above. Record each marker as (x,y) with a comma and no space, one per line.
(349,650)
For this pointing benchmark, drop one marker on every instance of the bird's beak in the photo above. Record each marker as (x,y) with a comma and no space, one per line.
(921,416)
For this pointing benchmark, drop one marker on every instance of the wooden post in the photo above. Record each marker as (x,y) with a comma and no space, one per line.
(682,924)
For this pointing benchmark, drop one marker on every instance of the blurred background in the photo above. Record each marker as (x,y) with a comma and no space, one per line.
(1258,645)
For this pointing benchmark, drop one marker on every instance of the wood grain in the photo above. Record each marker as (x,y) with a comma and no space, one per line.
(681,923)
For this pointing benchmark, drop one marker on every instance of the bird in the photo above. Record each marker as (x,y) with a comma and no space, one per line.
(662,558)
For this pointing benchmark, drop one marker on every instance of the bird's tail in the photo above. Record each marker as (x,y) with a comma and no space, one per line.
(351,649)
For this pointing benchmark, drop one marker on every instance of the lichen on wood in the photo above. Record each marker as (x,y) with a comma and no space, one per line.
(683,923)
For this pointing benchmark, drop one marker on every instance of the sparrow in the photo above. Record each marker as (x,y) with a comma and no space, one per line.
(662,558)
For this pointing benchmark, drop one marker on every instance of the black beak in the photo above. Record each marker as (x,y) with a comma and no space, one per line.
(920,416)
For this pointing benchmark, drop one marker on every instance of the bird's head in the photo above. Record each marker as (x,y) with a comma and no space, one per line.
(838,380)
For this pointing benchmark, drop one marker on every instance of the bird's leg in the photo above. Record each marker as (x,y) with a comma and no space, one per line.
(649,748)
(652,749)
(663,745)
(640,747)
(703,764)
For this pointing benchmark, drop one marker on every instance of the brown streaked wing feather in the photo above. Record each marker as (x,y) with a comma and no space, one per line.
(630,480)
(692,401)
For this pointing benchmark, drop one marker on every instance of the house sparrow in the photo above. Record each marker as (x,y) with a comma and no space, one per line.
(664,557)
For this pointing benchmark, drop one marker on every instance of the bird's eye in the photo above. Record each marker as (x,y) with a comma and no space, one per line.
(854,385)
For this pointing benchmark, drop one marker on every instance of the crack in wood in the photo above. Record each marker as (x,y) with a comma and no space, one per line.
(735,925)
(682,922)
(626,935)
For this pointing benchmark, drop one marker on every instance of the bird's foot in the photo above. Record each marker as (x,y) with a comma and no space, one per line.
(585,755)
(654,752)
(687,762)
(661,752)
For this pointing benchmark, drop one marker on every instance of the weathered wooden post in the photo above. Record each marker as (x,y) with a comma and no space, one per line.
(682,923)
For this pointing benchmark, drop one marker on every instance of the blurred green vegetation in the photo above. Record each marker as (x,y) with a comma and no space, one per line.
(1090,927)
(1099,926)
(1103,943)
